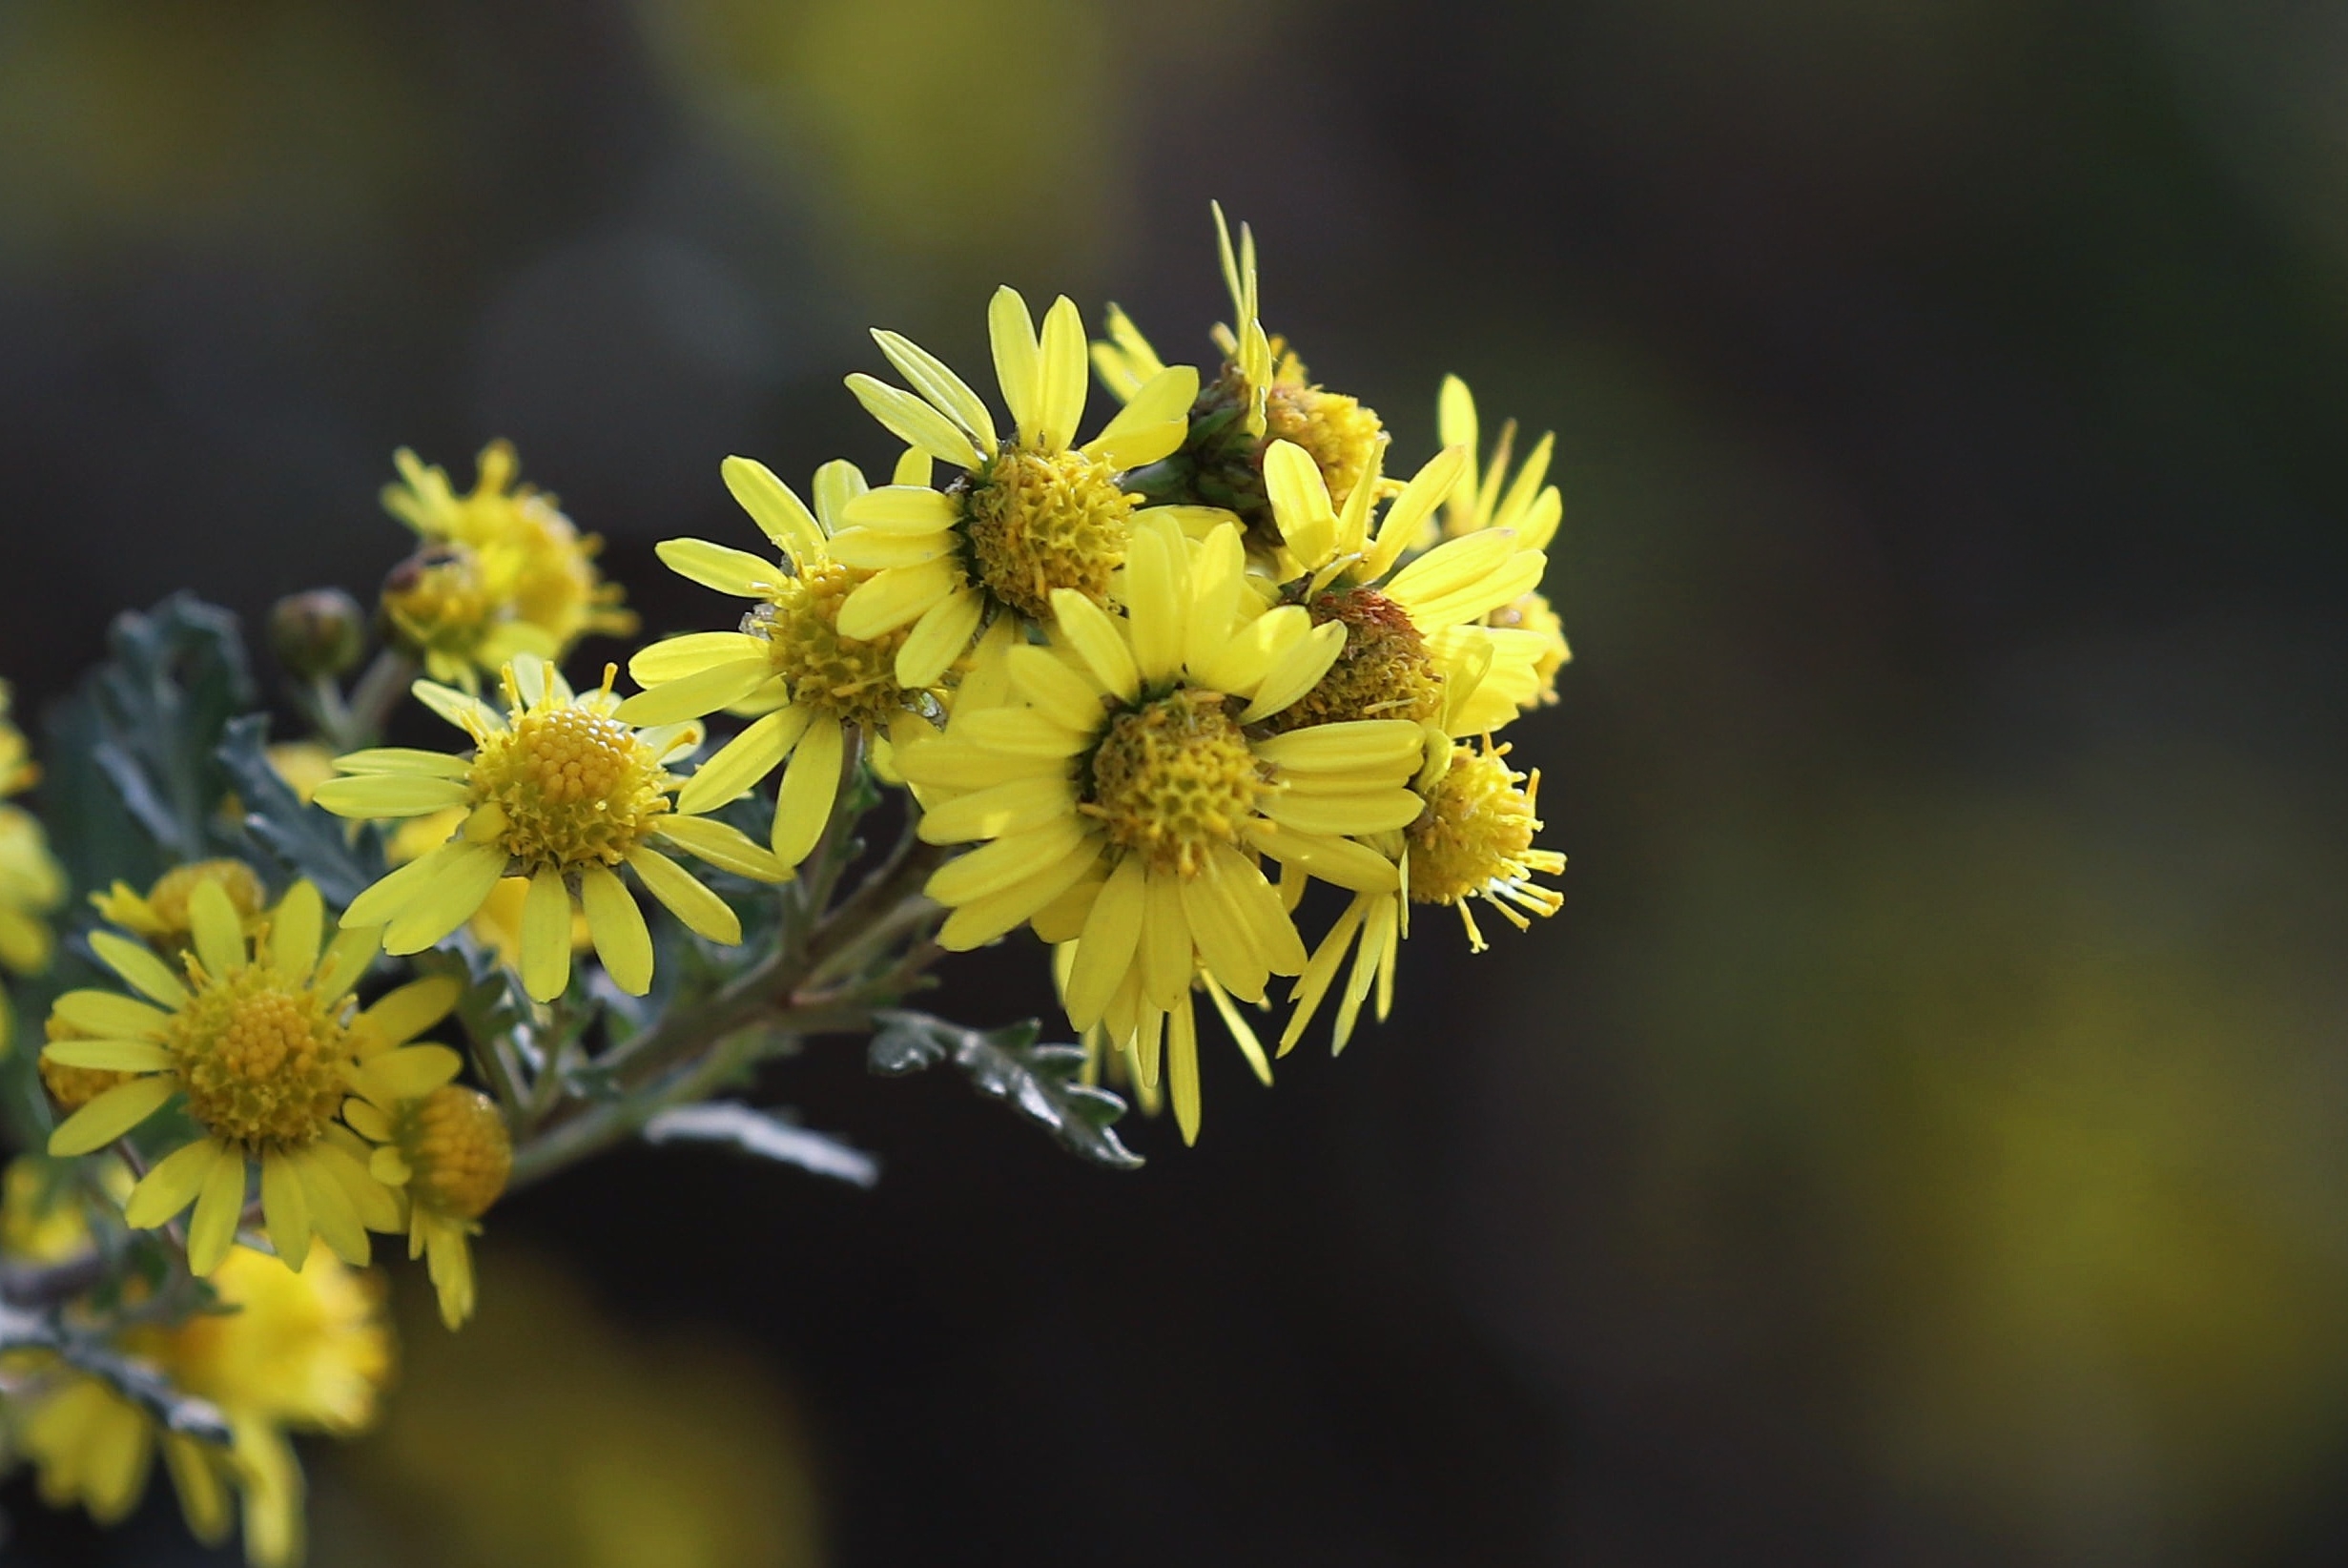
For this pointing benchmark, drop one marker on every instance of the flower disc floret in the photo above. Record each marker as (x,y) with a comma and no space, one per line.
(1040,521)
(1475,840)
(1172,779)
(1384,672)
(457,1149)
(263,1060)
(852,678)
(1342,436)
(573,785)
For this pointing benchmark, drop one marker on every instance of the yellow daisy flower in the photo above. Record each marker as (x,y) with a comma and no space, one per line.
(1474,841)
(1529,507)
(160,914)
(805,685)
(1138,781)
(1028,514)
(501,571)
(260,1041)
(1262,394)
(307,1352)
(450,1153)
(557,790)
(1415,647)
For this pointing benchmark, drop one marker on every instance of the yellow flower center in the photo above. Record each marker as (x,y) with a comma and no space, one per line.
(262,1059)
(1476,836)
(1172,779)
(575,786)
(1341,435)
(167,901)
(1038,521)
(853,679)
(436,598)
(457,1149)
(1382,674)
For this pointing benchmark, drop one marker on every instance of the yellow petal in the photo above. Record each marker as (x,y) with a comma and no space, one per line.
(1337,861)
(896,597)
(1062,694)
(1296,672)
(622,939)
(739,764)
(217,929)
(871,549)
(111,1115)
(138,966)
(113,1056)
(726,848)
(399,1016)
(402,759)
(412,1071)
(1098,641)
(1181,1068)
(171,1184)
(546,936)
(1378,810)
(937,639)
(706,913)
(1007,860)
(1387,744)
(998,810)
(674,658)
(1104,952)
(985,917)
(110,1016)
(1062,376)
(947,392)
(219,1204)
(1157,602)
(837,485)
(693,695)
(295,929)
(811,783)
(448,901)
(1011,333)
(369,796)
(773,504)
(1300,502)
(914,422)
(1153,424)
(285,1210)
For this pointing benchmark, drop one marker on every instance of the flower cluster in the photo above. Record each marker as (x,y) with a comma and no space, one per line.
(1198,696)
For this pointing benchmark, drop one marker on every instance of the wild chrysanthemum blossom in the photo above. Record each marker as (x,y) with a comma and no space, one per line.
(160,914)
(448,1152)
(1136,783)
(306,1352)
(1528,506)
(1028,514)
(1415,647)
(1261,394)
(807,686)
(260,1041)
(557,790)
(1472,842)
(501,571)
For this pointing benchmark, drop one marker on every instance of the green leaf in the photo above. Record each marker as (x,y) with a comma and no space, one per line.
(765,1135)
(1039,1082)
(158,707)
(312,842)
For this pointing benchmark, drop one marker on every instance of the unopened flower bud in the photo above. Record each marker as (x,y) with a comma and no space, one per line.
(320,633)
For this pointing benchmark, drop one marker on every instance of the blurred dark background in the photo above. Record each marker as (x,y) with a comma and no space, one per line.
(1923,1138)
